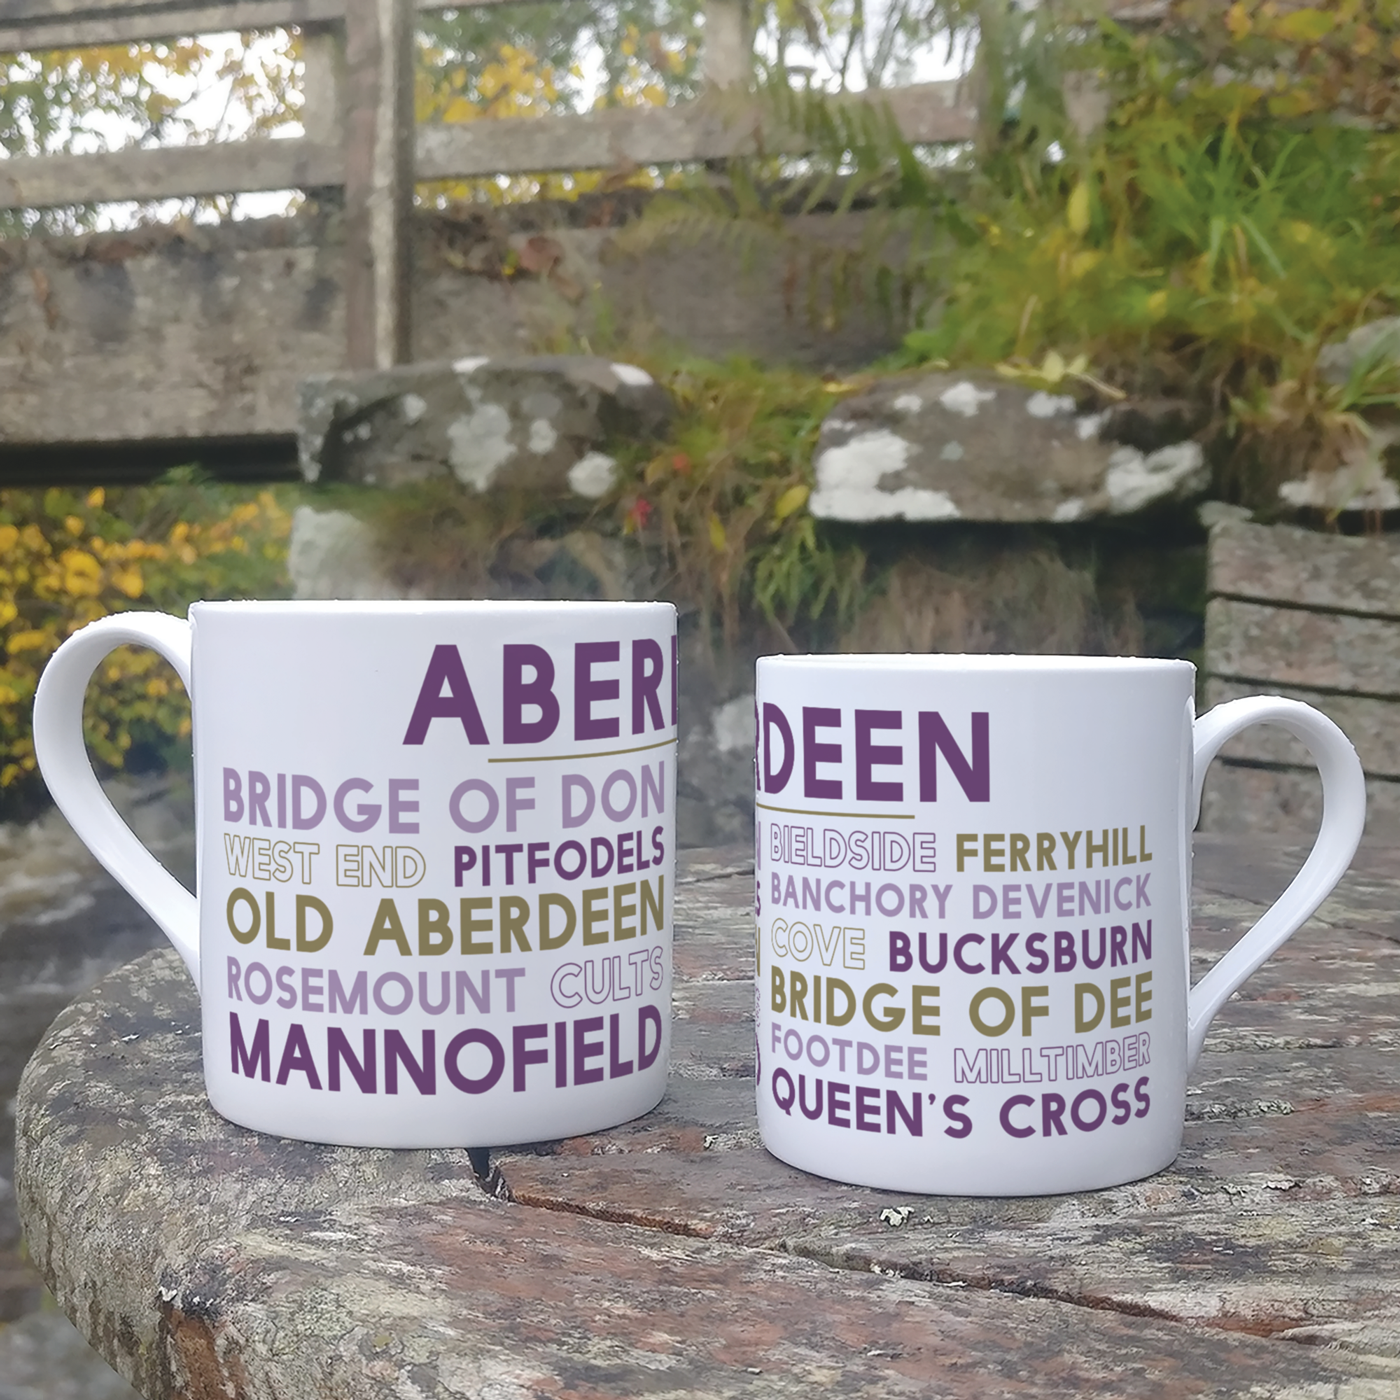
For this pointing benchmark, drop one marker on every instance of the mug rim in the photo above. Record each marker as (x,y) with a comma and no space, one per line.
(962,662)
(401,606)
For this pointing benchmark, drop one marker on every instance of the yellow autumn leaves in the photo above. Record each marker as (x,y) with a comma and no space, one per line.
(66,561)
(515,82)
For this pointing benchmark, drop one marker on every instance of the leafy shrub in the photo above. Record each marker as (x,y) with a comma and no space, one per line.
(1233,209)
(1237,211)
(67,559)
(722,502)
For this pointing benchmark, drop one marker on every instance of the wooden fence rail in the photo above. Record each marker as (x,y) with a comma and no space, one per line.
(360,134)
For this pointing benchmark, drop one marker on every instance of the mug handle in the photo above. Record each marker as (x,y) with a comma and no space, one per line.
(1343,819)
(63,760)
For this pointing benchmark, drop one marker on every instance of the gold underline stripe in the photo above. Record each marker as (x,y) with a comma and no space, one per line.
(579,757)
(812,812)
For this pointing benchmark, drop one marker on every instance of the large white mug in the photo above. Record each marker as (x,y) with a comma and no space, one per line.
(974,881)
(435,859)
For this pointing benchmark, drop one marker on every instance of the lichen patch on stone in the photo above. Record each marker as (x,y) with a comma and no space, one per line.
(414,407)
(479,445)
(542,436)
(592,474)
(907,403)
(848,483)
(1043,405)
(734,724)
(469,363)
(634,375)
(1088,426)
(952,452)
(1066,511)
(965,398)
(1338,491)
(1134,481)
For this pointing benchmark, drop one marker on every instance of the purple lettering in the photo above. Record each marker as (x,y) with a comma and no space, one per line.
(774,780)
(517,693)
(646,682)
(870,756)
(588,692)
(445,669)
(975,778)
(816,717)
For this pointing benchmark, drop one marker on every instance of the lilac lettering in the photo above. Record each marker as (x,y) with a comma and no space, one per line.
(399,807)
(233,796)
(366,813)
(303,784)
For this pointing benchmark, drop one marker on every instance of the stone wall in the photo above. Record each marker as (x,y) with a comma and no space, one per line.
(193,335)
(1316,618)
(948,587)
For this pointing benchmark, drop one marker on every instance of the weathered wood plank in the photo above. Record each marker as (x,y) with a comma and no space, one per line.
(1282,564)
(38,24)
(596,140)
(378,181)
(57,26)
(323,96)
(623,137)
(1373,726)
(34,182)
(727,58)
(1288,646)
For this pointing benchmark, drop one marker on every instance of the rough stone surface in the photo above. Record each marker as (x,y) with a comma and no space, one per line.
(1284,564)
(201,333)
(673,1257)
(1290,646)
(63,925)
(1248,796)
(1372,725)
(534,424)
(1315,617)
(333,554)
(978,447)
(714,794)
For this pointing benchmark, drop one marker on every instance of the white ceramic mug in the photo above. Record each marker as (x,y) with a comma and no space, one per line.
(974,879)
(435,859)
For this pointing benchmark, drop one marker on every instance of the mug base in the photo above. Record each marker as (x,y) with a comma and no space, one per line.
(418,1129)
(981,1179)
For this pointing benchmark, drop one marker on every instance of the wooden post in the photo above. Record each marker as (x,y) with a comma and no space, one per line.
(323,69)
(728,57)
(378,136)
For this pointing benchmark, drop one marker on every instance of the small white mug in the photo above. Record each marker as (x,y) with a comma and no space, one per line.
(435,859)
(974,881)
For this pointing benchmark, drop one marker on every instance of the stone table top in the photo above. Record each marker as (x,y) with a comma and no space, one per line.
(673,1257)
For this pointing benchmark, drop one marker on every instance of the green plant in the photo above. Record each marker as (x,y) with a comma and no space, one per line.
(722,502)
(1227,222)
(1235,211)
(67,559)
